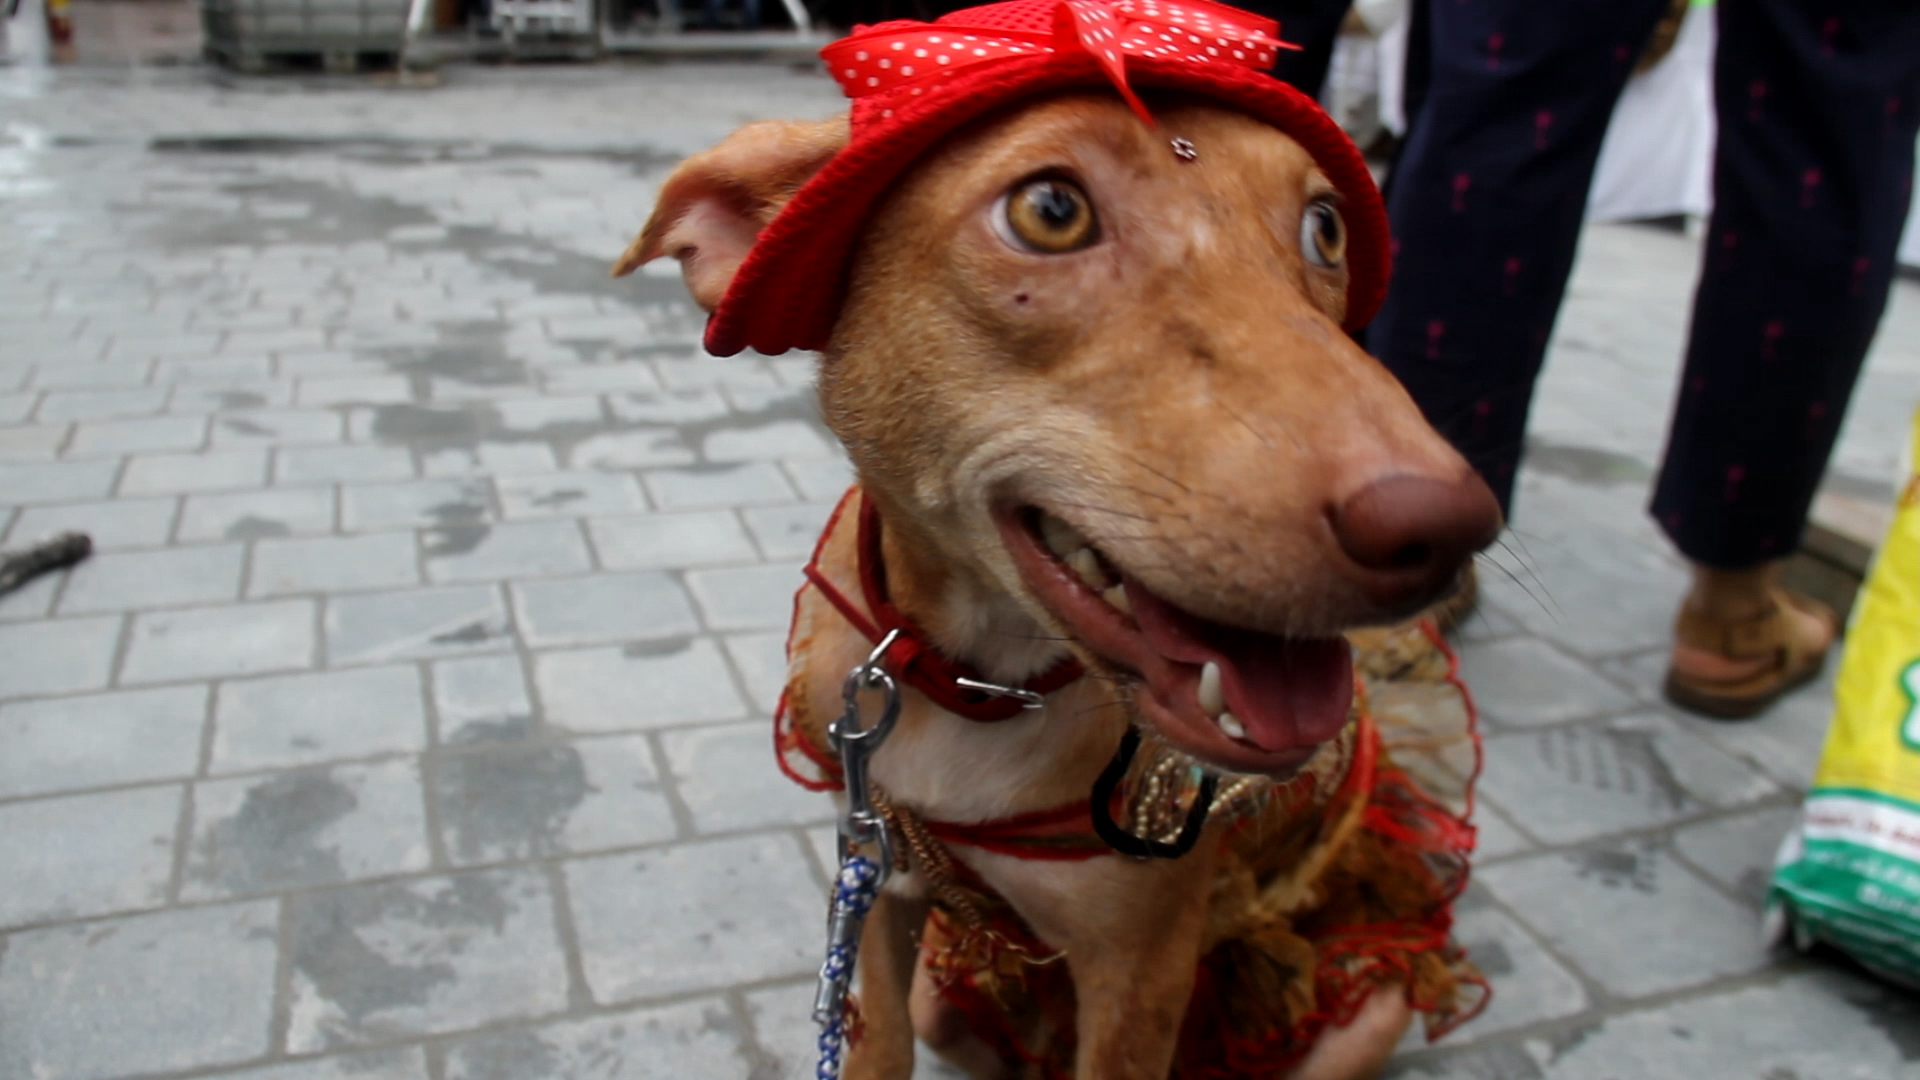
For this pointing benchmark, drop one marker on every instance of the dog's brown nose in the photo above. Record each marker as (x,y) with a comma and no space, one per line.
(1410,534)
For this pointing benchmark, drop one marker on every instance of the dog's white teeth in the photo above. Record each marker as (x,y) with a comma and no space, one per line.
(1059,536)
(1117,596)
(1213,700)
(1230,724)
(1086,564)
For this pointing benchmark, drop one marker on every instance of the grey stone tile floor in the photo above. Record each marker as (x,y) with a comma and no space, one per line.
(411,722)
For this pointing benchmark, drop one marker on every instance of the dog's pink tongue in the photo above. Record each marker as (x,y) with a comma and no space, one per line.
(1288,693)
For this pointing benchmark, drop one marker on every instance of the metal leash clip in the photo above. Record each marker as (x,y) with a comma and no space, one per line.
(860,827)
(1027,698)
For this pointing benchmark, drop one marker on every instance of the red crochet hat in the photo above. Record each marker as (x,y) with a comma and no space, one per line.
(912,83)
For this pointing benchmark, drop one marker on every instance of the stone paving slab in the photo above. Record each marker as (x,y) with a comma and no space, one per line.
(323,564)
(168,577)
(301,828)
(489,690)
(414,623)
(47,657)
(1533,984)
(639,685)
(306,719)
(602,608)
(507,798)
(375,962)
(1825,1024)
(257,515)
(166,991)
(1525,682)
(696,1038)
(1630,916)
(1737,851)
(119,523)
(228,640)
(719,913)
(1579,782)
(103,740)
(671,540)
(411,723)
(75,856)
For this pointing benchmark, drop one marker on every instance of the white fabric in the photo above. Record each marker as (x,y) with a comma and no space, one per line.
(1910,244)
(1380,14)
(1367,72)
(1393,76)
(25,35)
(1658,156)
(1352,91)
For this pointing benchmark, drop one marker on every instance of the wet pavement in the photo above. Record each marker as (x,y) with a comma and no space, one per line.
(412,720)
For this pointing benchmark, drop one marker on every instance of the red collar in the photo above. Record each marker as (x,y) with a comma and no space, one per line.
(911,656)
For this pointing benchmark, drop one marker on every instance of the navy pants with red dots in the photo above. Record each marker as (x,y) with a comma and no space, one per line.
(1817,103)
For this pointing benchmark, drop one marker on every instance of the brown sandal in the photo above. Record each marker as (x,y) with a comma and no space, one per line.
(1767,635)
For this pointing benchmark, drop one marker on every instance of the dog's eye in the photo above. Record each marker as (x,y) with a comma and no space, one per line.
(1050,216)
(1323,236)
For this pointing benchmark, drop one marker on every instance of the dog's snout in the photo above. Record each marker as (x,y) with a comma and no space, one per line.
(1410,534)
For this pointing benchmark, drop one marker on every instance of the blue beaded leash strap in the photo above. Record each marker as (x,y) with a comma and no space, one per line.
(861,827)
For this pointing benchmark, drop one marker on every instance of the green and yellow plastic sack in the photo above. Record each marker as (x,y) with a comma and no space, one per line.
(1850,873)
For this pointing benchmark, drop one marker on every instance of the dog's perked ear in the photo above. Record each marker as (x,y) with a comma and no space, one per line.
(715,204)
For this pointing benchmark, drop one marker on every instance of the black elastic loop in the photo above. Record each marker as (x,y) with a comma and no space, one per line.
(1140,847)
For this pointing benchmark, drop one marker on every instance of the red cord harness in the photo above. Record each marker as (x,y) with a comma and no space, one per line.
(912,656)
(1059,833)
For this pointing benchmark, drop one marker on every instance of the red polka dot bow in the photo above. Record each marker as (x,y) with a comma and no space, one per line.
(913,57)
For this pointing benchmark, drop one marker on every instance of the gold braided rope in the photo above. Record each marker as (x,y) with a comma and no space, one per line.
(932,861)
(1156,805)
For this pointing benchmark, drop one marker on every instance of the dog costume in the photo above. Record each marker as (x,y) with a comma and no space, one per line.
(1333,883)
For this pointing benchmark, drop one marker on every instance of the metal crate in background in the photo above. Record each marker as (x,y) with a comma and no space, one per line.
(334,35)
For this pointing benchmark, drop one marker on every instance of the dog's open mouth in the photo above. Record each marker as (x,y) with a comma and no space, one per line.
(1240,699)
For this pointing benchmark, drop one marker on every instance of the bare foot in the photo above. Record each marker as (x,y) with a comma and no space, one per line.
(947,1031)
(1361,1049)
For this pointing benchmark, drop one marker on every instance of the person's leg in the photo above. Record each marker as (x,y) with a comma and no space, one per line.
(1818,103)
(1487,203)
(1419,67)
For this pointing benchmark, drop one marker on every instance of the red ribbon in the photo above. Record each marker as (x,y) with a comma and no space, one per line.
(917,56)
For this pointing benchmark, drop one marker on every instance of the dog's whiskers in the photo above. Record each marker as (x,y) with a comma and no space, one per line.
(1131,536)
(1108,510)
(1533,573)
(1148,468)
(1143,492)
(1522,557)
(1241,420)
(1553,612)
(1521,538)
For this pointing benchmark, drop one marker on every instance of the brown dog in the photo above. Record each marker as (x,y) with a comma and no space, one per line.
(1102,402)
